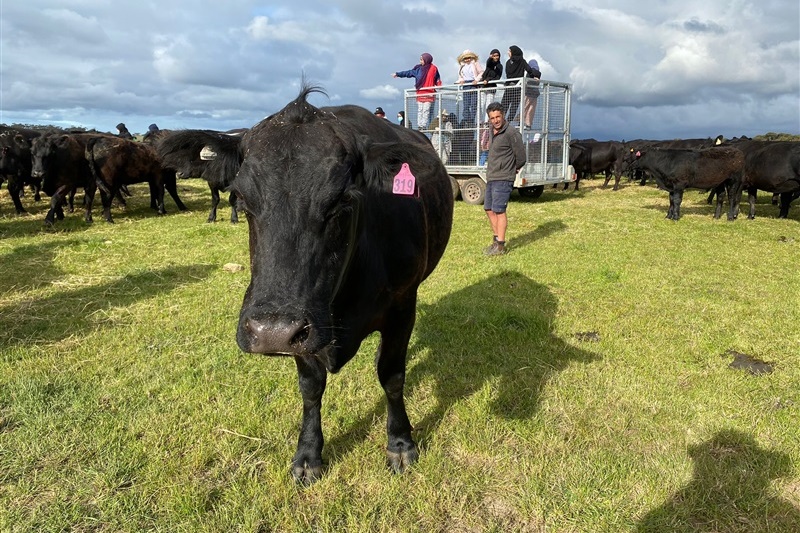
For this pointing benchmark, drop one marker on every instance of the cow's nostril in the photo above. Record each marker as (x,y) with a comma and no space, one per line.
(301,336)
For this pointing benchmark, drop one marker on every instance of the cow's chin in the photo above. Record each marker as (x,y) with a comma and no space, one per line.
(325,355)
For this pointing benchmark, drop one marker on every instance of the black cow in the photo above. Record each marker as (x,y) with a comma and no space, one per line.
(685,144)
(580,157)
(772,166)
(60,161)
(600,156)
(15,163)
(718,168)
(192,153)
(116,162)
(336,252)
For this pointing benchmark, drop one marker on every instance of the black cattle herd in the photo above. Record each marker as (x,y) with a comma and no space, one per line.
(347,214)
(726,168)
(60,163)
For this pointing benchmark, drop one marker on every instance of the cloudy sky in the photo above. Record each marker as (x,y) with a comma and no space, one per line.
(639,68)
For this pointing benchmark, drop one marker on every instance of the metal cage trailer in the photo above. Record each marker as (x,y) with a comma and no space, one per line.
(458,127)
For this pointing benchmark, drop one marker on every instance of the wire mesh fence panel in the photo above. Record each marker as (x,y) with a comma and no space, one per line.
(455,120)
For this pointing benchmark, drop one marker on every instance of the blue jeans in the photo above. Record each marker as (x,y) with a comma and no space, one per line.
(470,104)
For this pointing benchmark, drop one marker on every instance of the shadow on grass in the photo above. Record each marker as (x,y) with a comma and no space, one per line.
(73,312)
(32,223)
(498,333)
(32,265)
(545,230)
(548,196)
(730,490)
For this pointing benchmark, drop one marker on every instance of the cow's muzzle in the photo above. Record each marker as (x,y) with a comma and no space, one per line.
(274,334)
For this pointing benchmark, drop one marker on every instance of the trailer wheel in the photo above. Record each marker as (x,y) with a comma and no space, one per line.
(456,188)
(531,192)
(473,191)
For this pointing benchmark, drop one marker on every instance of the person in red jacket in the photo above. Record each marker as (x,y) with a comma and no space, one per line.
(426,76)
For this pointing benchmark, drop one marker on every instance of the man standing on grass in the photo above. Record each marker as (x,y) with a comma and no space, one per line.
(506,157)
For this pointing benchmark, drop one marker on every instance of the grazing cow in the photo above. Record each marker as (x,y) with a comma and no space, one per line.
(60,161)
(712,168)
(15,163)
(192,153)
(772,166)
(116,162)
(348,214)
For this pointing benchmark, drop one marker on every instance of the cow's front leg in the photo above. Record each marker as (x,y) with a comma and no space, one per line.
(751,199)
(671,210)
(55,207)
(675,199)
(720,199)
(391,366)
(212,215)
(307,461)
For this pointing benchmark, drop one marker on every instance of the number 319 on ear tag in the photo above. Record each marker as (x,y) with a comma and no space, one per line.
(404,182)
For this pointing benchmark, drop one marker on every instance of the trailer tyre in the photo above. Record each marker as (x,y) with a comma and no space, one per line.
(531,192)
(473,191)
(456,188)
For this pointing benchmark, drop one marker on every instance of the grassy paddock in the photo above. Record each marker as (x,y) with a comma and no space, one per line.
(579,383)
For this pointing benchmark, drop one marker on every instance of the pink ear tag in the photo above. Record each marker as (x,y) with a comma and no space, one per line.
(638,153)
(404,182)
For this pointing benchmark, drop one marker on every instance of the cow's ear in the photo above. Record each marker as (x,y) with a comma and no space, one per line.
(62,141)
(384,160)
(21,141)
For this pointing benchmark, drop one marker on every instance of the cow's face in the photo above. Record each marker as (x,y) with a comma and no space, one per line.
(6,159)
(42,155)
(297,185)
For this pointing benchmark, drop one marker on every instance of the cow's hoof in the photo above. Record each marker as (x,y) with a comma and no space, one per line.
(305,475)
(399,461)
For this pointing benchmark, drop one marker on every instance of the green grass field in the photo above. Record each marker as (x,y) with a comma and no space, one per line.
(580,383)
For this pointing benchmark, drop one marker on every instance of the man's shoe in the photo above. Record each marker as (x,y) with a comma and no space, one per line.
(496,249)
(490,249)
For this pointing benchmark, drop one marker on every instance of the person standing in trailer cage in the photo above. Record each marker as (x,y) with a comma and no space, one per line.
(426,77)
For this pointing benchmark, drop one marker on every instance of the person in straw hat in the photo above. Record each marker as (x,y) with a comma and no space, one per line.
(469,72)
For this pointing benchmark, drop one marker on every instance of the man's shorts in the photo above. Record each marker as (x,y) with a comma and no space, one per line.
(497,195)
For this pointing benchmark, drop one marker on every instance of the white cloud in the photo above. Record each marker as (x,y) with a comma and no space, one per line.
(664,67)
(381,91)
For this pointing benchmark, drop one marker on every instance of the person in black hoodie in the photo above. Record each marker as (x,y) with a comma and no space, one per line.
(492,74)
(516,67)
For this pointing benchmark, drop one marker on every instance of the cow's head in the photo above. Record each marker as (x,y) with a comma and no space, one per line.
(42,155)
(299,184)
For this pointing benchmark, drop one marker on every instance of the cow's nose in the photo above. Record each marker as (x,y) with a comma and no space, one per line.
(37,174)
(275,335)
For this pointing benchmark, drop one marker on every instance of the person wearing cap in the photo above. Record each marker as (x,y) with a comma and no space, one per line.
(491,74)
(426,77)
(123,131)
(442,137)
(506,157)
(379,113)
(469,72)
